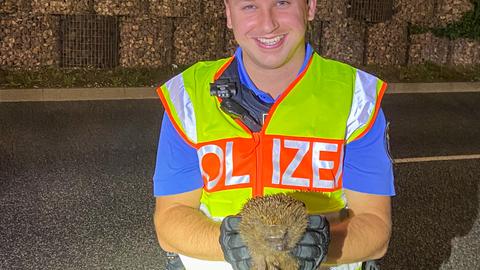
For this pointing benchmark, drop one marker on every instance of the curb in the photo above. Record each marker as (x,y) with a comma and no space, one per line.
(76,94)
(448,87)
(79,94)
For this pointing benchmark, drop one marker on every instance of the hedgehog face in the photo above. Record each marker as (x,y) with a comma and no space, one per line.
(276,237)
(271,226)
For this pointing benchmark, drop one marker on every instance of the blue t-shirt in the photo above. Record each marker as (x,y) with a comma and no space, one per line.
(367,164)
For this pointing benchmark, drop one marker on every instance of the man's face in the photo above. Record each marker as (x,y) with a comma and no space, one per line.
(270,32)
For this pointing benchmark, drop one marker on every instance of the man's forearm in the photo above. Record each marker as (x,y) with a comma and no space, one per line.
(359,238)
(176,233)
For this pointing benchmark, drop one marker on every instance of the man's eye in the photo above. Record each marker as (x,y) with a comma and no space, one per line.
(249,7)
(282,3)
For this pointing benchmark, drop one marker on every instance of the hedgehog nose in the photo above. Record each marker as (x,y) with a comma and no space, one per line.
(276,238)
(276,243)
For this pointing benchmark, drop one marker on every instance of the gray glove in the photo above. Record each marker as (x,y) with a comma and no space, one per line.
(312,248)
(234,249)
(173,262)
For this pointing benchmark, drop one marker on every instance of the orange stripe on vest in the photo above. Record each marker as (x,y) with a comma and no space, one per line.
(286,162)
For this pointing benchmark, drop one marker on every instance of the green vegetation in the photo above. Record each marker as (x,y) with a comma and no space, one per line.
(69,78)
(144,77)
(467,27)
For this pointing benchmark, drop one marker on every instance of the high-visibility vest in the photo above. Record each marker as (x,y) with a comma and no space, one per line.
(299,150)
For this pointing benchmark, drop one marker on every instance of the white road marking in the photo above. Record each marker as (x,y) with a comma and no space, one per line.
(421,88)
(436,158)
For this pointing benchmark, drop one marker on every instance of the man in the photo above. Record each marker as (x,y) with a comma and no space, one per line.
(313,129)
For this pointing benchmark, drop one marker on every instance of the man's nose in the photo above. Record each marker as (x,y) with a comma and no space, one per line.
(269,21)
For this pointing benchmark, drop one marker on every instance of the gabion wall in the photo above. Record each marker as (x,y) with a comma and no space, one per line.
(28,41)
(387,43)
(119,7)
(89,41)
(156,33)
(61,6)
(433,13)
(146,41)
(343,40)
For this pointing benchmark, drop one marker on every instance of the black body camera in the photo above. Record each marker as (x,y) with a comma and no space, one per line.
(238,101)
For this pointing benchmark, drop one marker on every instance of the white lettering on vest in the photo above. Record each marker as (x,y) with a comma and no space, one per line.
(283,169)
(302,147)
(211,149)
(287,178)
(318,164)
(276,161)
(230,179)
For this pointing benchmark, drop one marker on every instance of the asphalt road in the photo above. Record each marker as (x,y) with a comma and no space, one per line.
(76,191)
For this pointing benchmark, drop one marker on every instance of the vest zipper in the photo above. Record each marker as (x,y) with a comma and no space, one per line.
(257,188)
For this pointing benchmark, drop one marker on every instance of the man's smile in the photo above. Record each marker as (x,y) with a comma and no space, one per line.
(270,42)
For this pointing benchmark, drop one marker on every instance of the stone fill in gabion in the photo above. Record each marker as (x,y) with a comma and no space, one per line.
(164,32)
(8,6)
(146,41)
(419,13)
(331,10)
(215,38)
(432,13)
(465,52)
(426,48)
(187,44)
(314,34)
(213,9)
(62,6)
(120,7)
(231,43)
(14,6)
(343,40)
(387,43)
(198,40)
(28,41)
(175,8)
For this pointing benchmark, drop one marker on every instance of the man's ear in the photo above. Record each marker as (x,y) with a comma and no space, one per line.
(228,14)
(312,8)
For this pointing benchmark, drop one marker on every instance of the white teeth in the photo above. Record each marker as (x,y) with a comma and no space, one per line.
(270,41)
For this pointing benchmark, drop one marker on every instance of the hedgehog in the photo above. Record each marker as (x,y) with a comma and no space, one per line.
(271,226)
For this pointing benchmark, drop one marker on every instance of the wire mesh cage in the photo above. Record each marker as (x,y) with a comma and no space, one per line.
(89,41)
(372,11)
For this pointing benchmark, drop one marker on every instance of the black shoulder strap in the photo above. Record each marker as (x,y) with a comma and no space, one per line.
(239,101)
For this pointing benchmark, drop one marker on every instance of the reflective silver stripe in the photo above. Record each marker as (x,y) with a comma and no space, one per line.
(183,106)
(363,103)
(340,166)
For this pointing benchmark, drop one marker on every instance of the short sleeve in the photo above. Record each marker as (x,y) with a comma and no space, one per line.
(368,166)
(176,170)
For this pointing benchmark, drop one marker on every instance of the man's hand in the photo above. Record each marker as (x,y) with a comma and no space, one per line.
(310,251)
(312,248)
(234,249)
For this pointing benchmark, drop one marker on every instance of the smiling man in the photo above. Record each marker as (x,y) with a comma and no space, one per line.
(274,118)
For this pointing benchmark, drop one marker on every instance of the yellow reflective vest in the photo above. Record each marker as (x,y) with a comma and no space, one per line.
(299,150)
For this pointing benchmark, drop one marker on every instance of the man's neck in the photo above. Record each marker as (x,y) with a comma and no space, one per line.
(274,81)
